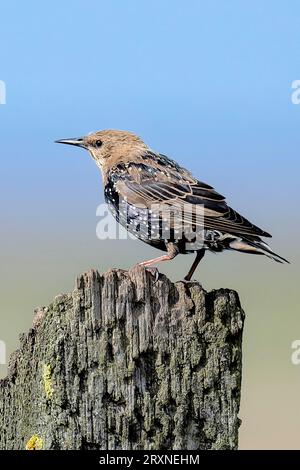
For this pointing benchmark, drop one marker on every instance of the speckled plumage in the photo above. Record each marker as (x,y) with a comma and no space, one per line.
(164,205)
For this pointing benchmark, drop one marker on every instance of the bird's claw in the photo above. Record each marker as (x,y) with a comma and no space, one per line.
(190,281)
(154,272)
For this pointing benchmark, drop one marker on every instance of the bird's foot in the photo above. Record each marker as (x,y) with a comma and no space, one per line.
(153,270)
(190,281)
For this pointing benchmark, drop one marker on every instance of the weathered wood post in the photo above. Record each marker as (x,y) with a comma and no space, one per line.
(123,363)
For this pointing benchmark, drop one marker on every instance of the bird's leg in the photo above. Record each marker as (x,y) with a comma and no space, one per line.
(156,260)
(197,260)
(172,252)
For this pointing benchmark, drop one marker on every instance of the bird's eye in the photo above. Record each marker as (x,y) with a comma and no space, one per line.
(98,143)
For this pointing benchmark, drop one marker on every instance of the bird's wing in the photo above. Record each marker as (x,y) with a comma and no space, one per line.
(150,183)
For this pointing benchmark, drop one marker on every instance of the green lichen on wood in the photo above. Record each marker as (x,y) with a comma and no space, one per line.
(136,365)
(47,379)
(34,443)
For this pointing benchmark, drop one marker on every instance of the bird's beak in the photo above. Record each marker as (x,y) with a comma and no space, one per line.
(78,141)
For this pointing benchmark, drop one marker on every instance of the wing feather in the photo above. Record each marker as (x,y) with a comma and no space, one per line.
(161,181)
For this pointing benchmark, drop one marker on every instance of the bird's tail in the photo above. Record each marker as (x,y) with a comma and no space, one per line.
(257,246)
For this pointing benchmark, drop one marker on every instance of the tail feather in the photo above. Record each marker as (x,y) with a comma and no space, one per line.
(258,247)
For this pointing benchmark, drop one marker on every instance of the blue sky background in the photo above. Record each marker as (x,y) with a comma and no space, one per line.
(208,83)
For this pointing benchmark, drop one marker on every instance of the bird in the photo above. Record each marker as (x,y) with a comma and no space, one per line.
(164,205)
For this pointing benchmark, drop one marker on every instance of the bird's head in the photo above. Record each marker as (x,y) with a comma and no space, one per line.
(109,147)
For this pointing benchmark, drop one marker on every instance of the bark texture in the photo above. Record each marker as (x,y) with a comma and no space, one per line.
(123,363)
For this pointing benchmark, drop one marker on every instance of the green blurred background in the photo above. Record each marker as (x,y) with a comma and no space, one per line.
(208,84)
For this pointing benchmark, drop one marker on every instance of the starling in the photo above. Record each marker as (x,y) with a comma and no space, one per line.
(164,205)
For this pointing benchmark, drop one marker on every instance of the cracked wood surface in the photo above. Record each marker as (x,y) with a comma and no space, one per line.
(123,363)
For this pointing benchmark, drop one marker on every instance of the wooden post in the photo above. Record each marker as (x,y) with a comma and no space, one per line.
(124,363)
